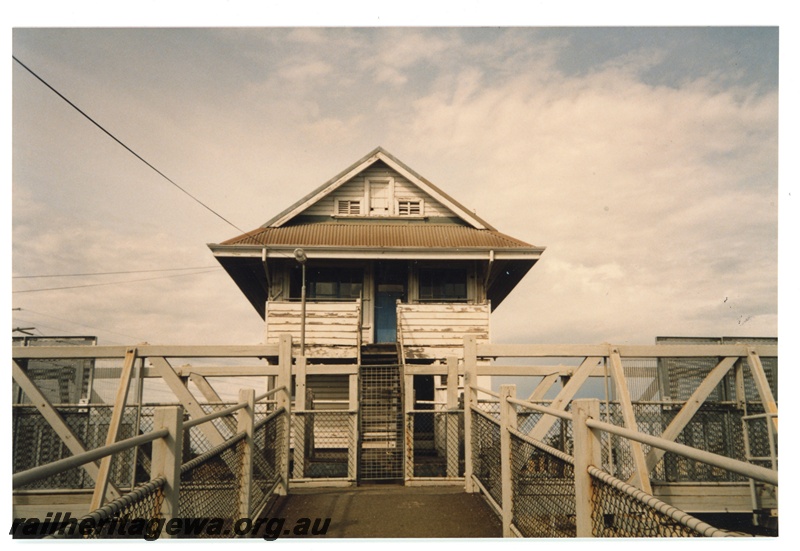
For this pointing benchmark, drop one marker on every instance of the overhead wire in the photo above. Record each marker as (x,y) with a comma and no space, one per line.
(111,282)
(76,323)
(115,273)
(131,151)
(151,166)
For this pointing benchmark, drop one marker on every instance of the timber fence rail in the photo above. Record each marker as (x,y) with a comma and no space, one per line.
(231,481)
(680,418)
(434,430)
(541,491)
(200,459)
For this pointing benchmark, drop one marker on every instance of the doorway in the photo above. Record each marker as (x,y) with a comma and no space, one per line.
(391,279)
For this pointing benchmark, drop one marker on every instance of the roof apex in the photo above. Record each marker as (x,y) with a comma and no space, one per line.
(378,154)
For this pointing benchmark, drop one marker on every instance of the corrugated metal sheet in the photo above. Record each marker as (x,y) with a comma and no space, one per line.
(380,235)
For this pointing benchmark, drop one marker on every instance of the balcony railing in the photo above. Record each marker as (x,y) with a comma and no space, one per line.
(332,328)
(437,330)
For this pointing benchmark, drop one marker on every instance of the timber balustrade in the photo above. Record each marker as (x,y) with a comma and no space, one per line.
(550,464)
(223,463)
(548,472)
(236,476)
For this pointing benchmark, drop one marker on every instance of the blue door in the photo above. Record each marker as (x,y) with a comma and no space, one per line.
(386,315)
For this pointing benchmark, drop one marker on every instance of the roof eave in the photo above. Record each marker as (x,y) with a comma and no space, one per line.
(333,252)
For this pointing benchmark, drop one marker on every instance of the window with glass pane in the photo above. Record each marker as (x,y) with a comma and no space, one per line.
(443,284)
(329,283)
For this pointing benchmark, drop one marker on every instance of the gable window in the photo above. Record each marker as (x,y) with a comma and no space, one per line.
(409,207)
(442,285)
(348,207)
(379,196)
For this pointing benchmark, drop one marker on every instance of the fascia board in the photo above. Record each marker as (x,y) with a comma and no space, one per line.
(355,253)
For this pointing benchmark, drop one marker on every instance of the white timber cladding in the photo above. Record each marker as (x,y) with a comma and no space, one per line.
(438,330)
(395,195)
(280,290)
(331,325)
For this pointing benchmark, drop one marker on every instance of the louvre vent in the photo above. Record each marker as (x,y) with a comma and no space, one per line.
(409,208)
(348,208)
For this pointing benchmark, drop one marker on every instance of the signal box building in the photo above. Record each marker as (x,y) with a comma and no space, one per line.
(391,260)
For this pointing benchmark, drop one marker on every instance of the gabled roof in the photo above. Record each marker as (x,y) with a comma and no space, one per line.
(454,234)
(378,154)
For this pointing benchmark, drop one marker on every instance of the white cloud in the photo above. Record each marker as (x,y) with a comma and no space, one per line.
(656,201)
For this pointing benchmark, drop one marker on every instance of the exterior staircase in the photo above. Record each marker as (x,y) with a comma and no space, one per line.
(381,414)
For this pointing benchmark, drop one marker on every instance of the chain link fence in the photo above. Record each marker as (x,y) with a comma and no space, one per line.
(267,459)
(543,493)
(716,428)
(435,441)
(322,442)
(116,519)
(35,443)
(211,490)
(543,485)
(210,484)
(486,457)
(621,511)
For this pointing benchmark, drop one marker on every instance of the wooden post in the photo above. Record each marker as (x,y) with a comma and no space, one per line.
(352,447)
(114,424)
(561,401)
(167,453)
(188,401)
(508,421)
(689,409)
(762,385)
(245,419)
(56,422)
(284,400)
(641,475)
(209,394)
(587,452)
(409,418)
(451,417)
(299,425)
(470,402)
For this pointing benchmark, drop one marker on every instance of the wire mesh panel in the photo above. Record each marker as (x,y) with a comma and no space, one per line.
(617,454)
(437,443)
(681,375)
(486,455)
(544,492)
(267,459)
(195,440)
(35,443)
(492,407)
(322,441)
(381,423)
(132,516)
(61,380)
(715,428)
(641,377)
(210,486)
(761,442)
(634,514)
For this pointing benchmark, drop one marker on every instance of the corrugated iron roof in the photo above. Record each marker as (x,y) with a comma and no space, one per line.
(450,236)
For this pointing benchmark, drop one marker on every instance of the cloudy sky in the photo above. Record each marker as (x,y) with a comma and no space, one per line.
(644,159)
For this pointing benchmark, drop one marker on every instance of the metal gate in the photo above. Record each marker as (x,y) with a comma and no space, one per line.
(381,424)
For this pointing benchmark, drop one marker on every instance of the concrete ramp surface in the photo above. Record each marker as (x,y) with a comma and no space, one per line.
(389,511)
